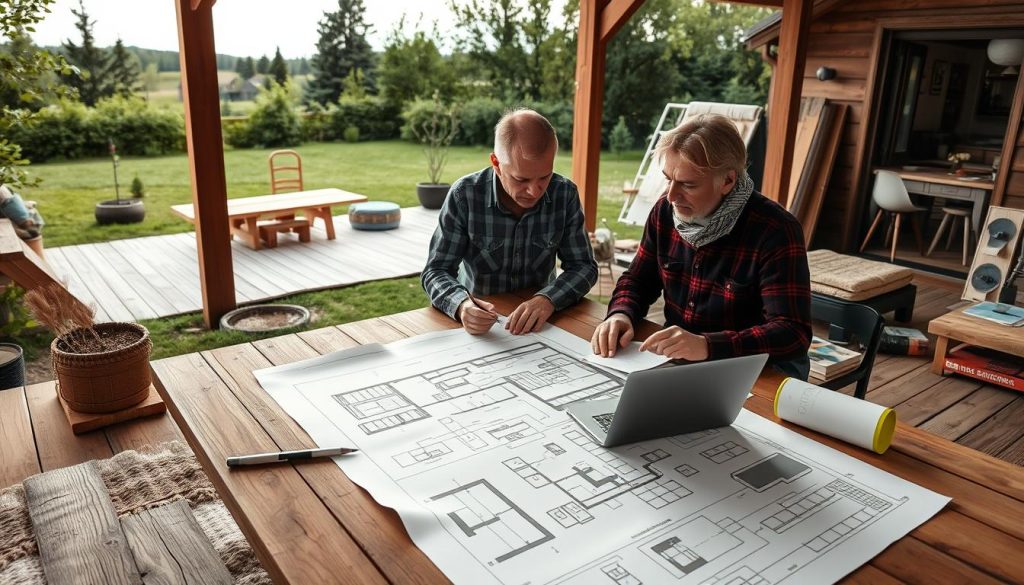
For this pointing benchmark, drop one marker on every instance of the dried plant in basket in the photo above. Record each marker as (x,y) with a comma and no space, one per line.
(68,318)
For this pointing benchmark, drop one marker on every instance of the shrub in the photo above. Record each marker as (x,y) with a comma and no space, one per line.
(352,134)
(273,122)
(138,191)
(58,131)
(620,139)
(433,125)
(375,118)
(136,126)
(316,123)
(477,118)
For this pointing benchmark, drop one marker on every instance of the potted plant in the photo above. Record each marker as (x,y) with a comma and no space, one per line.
(100,367)
(435,131)
(119,210)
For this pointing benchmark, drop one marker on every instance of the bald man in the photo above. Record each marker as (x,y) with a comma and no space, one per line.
(502,228)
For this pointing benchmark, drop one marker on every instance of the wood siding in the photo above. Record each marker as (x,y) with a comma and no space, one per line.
(846,39)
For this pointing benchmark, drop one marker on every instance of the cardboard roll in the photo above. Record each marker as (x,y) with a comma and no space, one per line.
(986,278)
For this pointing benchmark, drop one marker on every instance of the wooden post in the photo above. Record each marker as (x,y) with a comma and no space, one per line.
(206,156)
(784,105)
(586,139)
(599,21)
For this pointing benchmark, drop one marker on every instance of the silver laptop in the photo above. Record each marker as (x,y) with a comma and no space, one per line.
(671,401)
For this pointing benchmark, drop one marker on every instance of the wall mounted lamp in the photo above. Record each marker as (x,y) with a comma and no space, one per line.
(825,73)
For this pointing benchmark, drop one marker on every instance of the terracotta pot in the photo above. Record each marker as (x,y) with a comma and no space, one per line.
(104,381)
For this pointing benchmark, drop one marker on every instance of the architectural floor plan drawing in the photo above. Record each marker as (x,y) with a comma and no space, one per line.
(467,439)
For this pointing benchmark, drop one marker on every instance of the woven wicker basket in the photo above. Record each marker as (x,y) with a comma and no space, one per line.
(104,381)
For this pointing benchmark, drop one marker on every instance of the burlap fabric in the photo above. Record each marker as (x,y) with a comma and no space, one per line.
(852,278)
(136,481)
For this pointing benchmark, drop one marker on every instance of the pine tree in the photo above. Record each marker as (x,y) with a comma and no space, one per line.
(278,68)
(303,66)
(341,48)
(91,61)
(263,65)
(122,71)
(247,69)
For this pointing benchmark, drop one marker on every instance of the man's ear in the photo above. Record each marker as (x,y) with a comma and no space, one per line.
(728,182)
(494,161)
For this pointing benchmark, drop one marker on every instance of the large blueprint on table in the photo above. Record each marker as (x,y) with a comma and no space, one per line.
(467,439)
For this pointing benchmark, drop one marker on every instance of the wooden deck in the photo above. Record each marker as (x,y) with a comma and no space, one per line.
(981,416)
(158,276)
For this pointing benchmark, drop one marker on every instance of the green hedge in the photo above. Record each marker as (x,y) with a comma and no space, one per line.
(69,130)
(375,118)
(478,116)
(273,122)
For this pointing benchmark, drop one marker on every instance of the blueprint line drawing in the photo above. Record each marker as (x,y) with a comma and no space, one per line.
(466,438)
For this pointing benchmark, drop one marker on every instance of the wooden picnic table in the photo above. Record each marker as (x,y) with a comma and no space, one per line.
(309,523)
(257,220)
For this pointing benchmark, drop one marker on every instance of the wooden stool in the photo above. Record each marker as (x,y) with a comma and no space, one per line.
(269,230)
(947,219)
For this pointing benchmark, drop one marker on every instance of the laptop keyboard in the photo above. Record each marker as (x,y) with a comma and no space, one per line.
(605,420)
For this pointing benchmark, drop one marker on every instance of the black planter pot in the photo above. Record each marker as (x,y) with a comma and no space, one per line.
(432,194)
(123,211)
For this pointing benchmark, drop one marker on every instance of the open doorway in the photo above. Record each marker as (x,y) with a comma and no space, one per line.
(943,97)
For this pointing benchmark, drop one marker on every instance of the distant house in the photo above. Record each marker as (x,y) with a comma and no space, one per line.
(235,89)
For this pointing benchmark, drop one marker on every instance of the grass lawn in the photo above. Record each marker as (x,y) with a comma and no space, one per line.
(381,170)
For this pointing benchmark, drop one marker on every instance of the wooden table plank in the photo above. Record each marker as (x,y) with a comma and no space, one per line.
(17,445)
(905,556)
(142,433)
(56,444)
(384,539)
(76,528)
(278,512)
(170,547)
(327,339)
(371,331)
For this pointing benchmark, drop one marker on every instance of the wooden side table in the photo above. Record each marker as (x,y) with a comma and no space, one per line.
(955,326)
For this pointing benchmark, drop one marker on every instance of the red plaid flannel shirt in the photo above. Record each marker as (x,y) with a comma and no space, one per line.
(748,292)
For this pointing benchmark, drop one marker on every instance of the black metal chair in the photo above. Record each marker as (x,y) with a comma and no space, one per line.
(862,323)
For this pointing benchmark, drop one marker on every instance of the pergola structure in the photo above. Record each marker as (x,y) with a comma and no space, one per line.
(599,21)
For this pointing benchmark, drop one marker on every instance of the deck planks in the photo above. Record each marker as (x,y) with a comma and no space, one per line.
(158,276)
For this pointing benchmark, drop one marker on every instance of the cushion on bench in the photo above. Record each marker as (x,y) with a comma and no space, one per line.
(375,215)
(852,278)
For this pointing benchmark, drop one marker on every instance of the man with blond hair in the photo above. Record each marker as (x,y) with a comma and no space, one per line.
(501,229)
(731,263)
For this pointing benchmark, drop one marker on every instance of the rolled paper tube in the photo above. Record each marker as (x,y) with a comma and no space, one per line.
(838,415)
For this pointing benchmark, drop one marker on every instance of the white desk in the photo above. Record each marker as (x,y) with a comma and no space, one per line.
(934,182)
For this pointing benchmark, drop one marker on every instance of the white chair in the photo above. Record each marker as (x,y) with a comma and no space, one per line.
(890,195)
(948,215)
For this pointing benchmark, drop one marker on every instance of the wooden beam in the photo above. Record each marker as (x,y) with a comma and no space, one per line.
(586,143)
(199,89)
(197,4)
(1013,131)
(614,16)
(784,105)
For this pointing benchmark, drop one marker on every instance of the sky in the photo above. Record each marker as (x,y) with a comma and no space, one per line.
(241,27)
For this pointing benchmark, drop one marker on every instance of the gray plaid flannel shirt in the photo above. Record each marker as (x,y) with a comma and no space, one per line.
(480,247)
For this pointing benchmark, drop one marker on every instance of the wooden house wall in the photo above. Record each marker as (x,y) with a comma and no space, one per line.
(845,39)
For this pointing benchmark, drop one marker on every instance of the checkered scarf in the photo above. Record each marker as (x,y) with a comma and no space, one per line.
(701,232)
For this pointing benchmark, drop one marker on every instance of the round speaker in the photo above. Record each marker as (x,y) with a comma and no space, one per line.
(986,278)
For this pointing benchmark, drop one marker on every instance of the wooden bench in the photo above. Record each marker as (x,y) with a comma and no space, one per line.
(246,213)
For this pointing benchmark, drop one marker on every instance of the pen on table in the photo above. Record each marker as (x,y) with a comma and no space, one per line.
(287,456)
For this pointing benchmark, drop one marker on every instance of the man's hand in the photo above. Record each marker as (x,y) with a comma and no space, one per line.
(614,332)
(678,344)
(477,316)
(530,315)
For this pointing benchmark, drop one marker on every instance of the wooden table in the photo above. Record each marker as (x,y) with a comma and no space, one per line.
(309,524)
(245,213)
(955,326)
(936,182)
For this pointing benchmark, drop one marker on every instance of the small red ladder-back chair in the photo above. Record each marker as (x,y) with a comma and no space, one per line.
(285,171)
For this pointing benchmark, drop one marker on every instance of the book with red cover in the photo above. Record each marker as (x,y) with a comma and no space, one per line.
(986,365)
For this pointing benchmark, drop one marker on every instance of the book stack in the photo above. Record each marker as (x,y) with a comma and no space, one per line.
(986,365)
(1001,313)
(903,341)
(829,361)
